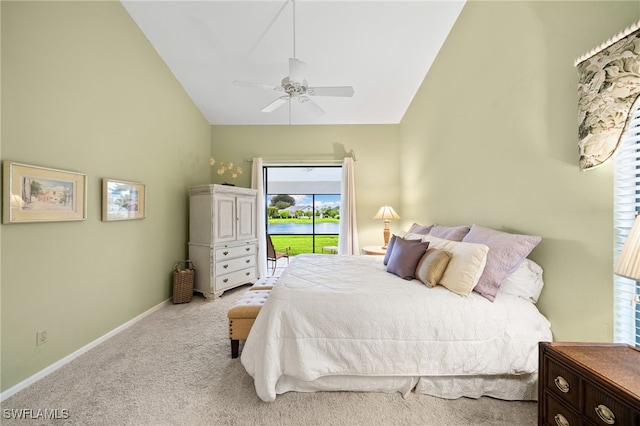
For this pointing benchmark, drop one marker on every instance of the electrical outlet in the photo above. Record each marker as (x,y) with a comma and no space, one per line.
(41,337)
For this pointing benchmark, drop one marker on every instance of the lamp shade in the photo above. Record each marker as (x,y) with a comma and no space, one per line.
(386,213)
(628,264)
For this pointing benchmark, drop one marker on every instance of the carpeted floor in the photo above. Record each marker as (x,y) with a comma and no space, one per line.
(174,368)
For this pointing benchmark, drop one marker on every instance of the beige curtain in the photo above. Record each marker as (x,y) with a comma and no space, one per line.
(608,86)
(348,232)
(258,183)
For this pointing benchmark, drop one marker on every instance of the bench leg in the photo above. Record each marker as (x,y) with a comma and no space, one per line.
(235,345)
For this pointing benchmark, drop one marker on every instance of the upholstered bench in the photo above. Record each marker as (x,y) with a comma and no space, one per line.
(265,283)
(242,315)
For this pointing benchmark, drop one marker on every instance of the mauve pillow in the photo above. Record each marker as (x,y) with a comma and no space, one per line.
(387,254)
(405,257)
(420,229)
(506,252)
(451,233)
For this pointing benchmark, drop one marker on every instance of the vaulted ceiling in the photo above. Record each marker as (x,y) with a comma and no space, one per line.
(382,48)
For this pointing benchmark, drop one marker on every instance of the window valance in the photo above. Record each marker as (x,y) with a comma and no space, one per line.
(608,86)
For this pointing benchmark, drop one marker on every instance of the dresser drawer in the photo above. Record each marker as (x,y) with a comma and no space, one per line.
(237,251)
(231,265)
(557,414)
(233,279)
(602,409)
(563,383)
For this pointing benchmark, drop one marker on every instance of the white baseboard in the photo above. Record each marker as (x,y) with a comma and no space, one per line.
(53,367)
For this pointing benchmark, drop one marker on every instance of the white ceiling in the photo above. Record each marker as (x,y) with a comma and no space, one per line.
(381,48)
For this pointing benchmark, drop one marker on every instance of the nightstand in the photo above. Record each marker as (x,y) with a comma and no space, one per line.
(374,250)
(588,383)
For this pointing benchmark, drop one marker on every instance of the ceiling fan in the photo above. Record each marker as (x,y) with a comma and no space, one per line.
(295,87)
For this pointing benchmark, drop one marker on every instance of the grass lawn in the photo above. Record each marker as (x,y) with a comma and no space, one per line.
(302,243)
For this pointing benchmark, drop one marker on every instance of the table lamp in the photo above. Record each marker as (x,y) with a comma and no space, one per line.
(628,264)
(386,213)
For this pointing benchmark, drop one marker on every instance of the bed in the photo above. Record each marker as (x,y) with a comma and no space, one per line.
(346,323)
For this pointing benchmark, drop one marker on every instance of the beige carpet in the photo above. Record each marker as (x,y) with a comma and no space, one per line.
(174,368)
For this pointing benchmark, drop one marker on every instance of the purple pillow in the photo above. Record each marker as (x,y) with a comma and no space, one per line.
(387,254)
(405,257)
(451,233)
(506,253)
(419,229)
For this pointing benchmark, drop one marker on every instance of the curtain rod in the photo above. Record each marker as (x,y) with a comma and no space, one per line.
(289,161)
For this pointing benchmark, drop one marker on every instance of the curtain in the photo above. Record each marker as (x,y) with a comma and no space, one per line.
(257,182)
(348,233)
(608,86)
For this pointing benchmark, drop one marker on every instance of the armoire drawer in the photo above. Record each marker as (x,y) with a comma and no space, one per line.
(237,251)
(227,266)
(233,279)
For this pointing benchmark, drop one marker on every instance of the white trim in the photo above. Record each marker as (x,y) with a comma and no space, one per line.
(53,367)
(622,34)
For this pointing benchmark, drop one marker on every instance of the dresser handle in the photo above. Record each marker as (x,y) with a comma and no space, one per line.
(561,384)
(248,260)
(225,253)
(247,273)
(248,248)
(225,280)
(605,414)
(225,266)
(561,420)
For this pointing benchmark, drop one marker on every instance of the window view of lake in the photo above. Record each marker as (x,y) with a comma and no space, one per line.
(303,208)
(303,228)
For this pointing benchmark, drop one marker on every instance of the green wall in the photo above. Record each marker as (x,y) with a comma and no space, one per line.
(491,138)
(83,90)
(375,169)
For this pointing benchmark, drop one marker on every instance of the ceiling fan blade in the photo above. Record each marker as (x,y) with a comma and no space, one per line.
(297,70)
(276,104)
(257,85)
(345,91)
(310,106)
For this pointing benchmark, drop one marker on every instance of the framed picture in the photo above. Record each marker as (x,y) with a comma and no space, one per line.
(122,200)
(39,194)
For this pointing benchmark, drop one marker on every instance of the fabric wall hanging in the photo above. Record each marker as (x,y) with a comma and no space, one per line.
(608,86)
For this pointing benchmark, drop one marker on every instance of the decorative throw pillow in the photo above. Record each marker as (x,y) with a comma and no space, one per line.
(405,257)
(453,233)
(387,254)
(420,229)
(525,282)
(465,266)
(432,266)
(506,252)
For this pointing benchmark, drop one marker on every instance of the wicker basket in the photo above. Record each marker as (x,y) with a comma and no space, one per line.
(183,277)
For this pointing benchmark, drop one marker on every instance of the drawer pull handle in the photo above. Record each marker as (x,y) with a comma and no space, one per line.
(248,260)
(248,248)
(225,253)
(562,384)
(225,266)
(561,420)
(605,414)
(247,273)
(225,280)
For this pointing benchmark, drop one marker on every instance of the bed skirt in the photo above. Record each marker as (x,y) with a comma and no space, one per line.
(512,388)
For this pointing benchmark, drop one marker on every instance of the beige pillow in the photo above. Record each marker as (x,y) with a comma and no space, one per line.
(465,266)
(432,266)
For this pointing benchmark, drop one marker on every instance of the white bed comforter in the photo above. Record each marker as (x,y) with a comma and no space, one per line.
(347,316)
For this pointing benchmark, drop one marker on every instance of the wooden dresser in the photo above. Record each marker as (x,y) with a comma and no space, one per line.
(588,384)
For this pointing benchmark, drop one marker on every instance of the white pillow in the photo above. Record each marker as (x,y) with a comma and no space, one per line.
(525,282)
(466,264)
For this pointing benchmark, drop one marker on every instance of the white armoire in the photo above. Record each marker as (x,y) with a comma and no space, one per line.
(223,242)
